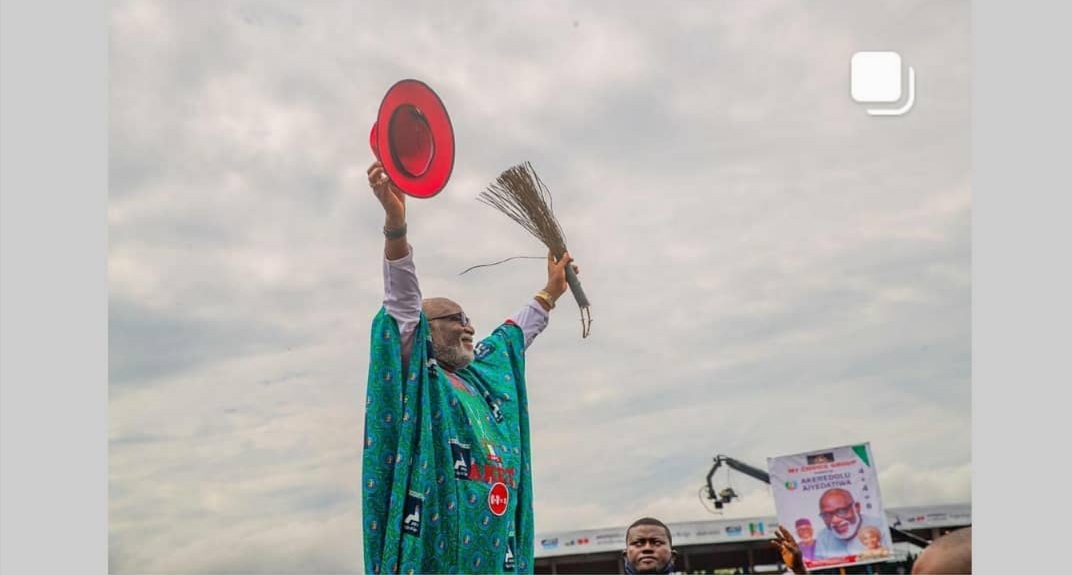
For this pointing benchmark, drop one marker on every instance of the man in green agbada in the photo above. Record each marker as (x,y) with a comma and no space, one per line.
(446,469)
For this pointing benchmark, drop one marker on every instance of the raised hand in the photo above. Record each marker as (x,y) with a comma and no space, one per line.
(556,275)
(789,549)
(392,198)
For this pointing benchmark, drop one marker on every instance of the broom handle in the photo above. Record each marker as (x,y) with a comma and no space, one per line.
(575,287)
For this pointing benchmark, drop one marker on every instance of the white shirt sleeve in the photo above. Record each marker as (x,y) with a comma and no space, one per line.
(532,319)
(402,298)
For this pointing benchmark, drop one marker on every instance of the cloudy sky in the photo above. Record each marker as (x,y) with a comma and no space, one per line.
(771,269)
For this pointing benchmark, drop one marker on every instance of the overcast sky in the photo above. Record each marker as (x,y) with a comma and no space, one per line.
(771,269)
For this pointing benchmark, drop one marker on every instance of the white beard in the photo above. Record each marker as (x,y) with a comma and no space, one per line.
(454,356)
(853,529)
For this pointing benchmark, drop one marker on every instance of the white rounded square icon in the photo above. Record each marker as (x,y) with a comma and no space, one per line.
(876,77)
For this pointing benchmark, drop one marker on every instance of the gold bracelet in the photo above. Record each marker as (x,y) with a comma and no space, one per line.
(542,294)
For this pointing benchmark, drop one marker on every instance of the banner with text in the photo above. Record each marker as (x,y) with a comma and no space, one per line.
(829,500)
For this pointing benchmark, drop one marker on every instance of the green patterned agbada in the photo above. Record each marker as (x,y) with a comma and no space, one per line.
(447,482)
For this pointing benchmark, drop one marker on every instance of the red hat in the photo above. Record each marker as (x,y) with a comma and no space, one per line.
(418,139)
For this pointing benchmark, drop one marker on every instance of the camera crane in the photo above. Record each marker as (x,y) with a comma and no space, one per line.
(728,494)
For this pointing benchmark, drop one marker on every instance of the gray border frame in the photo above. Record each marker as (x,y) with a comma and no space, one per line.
(53,426)
(1018,287)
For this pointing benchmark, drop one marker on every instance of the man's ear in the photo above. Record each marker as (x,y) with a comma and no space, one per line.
(673,555)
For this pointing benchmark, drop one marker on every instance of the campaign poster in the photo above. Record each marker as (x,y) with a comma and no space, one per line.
(829,500)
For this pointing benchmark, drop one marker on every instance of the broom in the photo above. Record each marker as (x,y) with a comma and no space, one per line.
(520,194)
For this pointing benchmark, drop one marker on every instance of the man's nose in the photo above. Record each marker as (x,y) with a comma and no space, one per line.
(469,328)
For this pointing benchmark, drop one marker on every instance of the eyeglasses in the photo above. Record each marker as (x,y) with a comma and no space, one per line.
(459,317)
(842,512)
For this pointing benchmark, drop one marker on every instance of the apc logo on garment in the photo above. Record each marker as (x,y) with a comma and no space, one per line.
(460,454)
(791,485)
(496,413)
(411,514)
(508,561)
(482,349)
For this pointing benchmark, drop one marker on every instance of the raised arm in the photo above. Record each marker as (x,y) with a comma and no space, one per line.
(401,290)
(556,280)
(533,317)
(394,208)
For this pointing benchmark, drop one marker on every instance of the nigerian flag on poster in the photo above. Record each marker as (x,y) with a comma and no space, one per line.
(829,500)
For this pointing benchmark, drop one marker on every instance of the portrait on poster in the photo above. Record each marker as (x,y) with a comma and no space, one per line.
(830,500)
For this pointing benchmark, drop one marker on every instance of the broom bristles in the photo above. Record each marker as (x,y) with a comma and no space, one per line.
(520,194)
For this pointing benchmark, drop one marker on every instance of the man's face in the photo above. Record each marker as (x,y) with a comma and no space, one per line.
(841,514)
(805,533)
(647,548)
(452,334)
